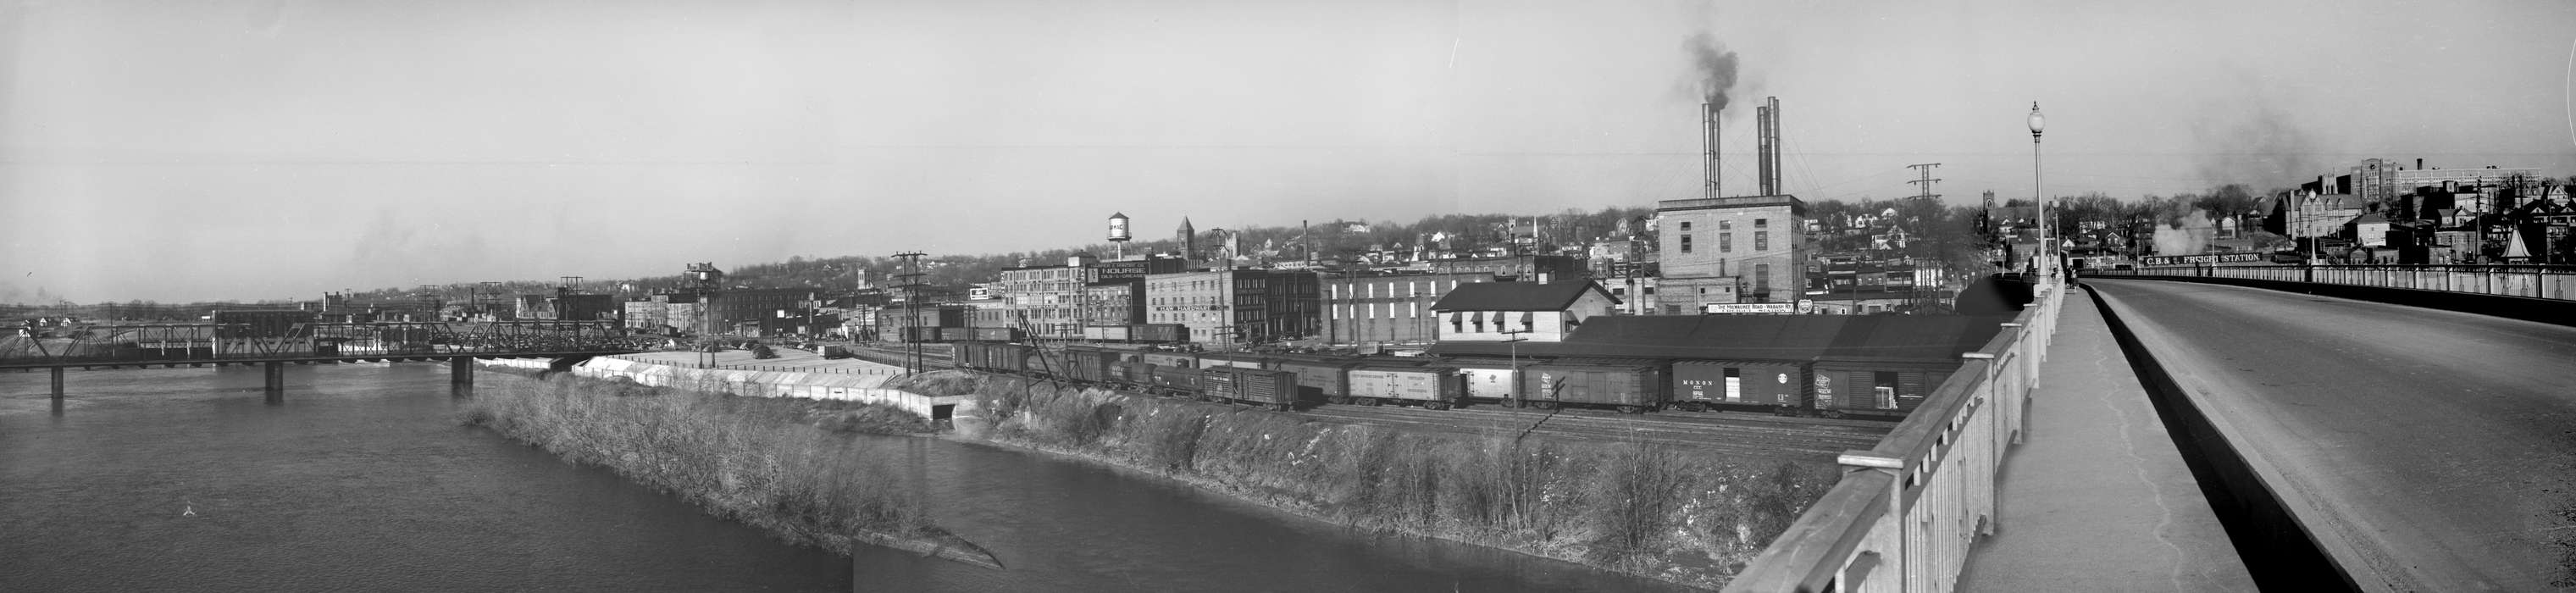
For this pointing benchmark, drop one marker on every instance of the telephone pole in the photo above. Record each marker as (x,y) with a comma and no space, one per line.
(1923,186)
(910,283)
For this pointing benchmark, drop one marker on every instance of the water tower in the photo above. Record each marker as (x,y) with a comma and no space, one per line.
(1118,235)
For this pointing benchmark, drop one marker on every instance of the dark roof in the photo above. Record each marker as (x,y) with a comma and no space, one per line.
(1799,338)
(1516,296)
(2368,218)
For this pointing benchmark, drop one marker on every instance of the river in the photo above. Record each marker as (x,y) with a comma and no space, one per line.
(183,479)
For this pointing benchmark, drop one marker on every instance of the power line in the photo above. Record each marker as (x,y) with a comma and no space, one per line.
(1923,186)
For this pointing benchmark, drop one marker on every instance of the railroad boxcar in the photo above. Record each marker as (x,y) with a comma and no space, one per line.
(1875,389)
(1777,387)
(1433,387)
(1158,333)
(1241,360)
(956,334)
(997,334)
(1629,386)
(1273,389)
(1088,364)
(993,357)
(1132,375)
(1486,381)
(1170,359)
(1106,333)
(1319,379)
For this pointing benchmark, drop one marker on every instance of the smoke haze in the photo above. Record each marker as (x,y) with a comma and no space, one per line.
(1714,65)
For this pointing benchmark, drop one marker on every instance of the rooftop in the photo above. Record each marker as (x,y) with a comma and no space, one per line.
(1516,296)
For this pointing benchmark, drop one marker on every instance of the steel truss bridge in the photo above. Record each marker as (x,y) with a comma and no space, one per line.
(200,344)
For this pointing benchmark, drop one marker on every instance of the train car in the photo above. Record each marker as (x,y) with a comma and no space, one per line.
(1170,359)
(1088,364)
(1106,333)
(1773,386)
(1241,360)
(1488,381)
(1129,374)
(1158,333)
(956,334)
(998,334)
(1627,386)
(1272,389)
(1432,387)
(1172,381)
(994,357)
(1887,390)
(1319,378)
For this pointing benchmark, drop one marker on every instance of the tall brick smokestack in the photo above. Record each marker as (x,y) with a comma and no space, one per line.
(1715,69)
(1766,133)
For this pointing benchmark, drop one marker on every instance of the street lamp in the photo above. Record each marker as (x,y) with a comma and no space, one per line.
(2037,124)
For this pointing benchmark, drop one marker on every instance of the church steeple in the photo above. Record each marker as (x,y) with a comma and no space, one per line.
(1188,240)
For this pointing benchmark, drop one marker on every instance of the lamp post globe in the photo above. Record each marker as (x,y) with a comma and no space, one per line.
(2047,251)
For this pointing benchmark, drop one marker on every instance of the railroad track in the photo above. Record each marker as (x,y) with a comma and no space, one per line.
(1742,436)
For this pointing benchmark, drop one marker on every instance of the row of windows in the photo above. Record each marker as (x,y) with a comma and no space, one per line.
(1412,289)
(1759,223)
(1726,241)
(1370,310)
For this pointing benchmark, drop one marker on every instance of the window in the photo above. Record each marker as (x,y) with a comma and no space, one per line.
(1686,226)
(1725,225)
(1762,277)
(1725,242)
(1761,223)
(1761,240)
(1686,242)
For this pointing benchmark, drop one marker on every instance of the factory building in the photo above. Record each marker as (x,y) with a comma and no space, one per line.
(1238,306)
(1748,249)
(1387,308)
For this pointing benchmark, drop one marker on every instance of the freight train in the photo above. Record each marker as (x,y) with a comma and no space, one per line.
(1136,333)
(1817,387)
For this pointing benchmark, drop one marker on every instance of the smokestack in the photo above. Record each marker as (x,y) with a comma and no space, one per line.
(1708,142)
(1716,68)
(1762,149)
(1768,130)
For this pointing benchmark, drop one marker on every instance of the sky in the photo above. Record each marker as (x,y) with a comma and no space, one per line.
(274,149)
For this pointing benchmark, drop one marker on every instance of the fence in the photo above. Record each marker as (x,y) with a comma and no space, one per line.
(1907,510)
(2534,281)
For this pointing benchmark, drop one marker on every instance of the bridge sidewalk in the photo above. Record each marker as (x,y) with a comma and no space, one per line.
(2097,498)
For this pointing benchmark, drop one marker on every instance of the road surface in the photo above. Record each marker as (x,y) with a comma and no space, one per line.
(2436,450)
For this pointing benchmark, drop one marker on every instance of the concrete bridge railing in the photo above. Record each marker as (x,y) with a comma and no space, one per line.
(1907,510)
(2530,281)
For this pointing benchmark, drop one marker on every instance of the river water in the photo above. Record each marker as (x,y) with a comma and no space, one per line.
(184,479)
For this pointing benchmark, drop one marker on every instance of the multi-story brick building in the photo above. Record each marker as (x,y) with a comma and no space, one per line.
(1237,306)
(1387,308)
(1749,249)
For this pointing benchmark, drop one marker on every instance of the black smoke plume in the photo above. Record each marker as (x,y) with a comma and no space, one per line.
(1715,65)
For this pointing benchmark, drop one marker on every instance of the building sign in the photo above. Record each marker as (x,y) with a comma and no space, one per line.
(2205,258)
(1751,308)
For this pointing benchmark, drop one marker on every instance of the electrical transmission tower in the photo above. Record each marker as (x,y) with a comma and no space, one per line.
(1923,186)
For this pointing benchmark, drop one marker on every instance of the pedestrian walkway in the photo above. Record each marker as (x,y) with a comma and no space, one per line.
(2097,498)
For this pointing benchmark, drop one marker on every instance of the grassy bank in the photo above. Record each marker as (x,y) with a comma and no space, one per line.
(1653,511)
(784,465)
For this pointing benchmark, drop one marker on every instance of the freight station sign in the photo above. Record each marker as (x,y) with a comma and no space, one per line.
(1751,308)
(2206,258)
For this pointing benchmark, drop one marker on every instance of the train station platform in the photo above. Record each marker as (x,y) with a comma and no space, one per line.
(2097,497)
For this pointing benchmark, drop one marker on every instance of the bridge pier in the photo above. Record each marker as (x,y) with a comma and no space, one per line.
(275,390)
(58,385)
(460,376)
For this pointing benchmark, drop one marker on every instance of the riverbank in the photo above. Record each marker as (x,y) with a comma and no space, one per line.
(790,467)
(1655,512)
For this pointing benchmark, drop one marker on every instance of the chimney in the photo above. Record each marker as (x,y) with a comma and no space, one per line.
(1770,132)
(2419,163)
(1708,113)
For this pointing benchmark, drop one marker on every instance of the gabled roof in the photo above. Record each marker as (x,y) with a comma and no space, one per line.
(2368,218)
(1517,296)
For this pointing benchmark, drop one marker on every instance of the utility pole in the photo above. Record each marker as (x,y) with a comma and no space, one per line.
(1923,186)
(910,284)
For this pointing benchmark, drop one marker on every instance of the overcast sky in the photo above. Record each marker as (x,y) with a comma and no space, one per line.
(271,149)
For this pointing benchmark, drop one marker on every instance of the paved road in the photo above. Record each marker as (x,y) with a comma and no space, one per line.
(2437,448)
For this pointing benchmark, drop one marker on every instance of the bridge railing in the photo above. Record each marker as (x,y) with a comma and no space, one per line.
(1907,510)
(2534,281)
